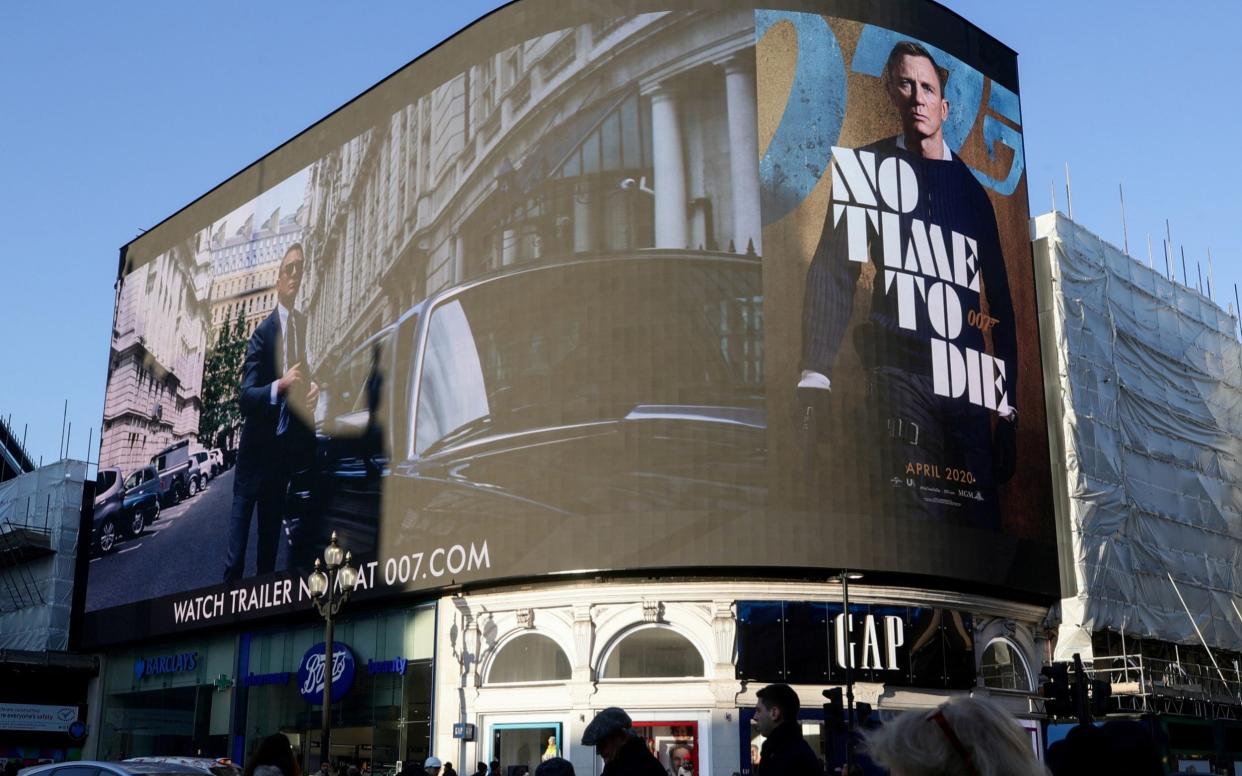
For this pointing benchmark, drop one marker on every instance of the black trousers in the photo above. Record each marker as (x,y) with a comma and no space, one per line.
(936,459)
(269,499)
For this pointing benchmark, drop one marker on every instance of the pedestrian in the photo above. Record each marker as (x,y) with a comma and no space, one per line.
(1119,746)
(555,766)
(785,752)
(965,735)
(449,770)
(432,766)
(495,770)
(623,753)
(480,768)
(325,768)
(273,757)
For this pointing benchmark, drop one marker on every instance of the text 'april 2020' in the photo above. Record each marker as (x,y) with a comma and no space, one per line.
(411,569)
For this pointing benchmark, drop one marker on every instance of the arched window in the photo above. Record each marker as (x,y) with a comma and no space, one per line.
(1004,667)
(653,653)
(531,657)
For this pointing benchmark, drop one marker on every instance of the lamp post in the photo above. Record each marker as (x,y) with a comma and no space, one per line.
(844,578)
(329,591)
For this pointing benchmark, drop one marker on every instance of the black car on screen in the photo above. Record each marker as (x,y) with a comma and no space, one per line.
(123,507)
(620,383)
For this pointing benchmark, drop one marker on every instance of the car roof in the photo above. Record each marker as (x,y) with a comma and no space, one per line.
(126,767)
(194,762)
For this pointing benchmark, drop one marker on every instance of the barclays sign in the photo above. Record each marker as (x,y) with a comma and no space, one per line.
(166,664)
(311,672)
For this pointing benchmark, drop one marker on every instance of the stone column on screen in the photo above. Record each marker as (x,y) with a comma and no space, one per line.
(743,152)
(671,227)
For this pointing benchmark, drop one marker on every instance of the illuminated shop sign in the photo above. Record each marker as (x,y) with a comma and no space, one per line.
(165,664)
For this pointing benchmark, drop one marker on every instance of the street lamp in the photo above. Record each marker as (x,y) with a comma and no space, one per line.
(329,591)
(845,577)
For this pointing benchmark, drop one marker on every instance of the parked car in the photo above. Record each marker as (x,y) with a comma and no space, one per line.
(101,768)
(206,465)
(123,508)
(174,466)
(637,388)
(217,766)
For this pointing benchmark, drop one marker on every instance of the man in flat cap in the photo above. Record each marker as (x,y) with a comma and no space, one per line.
(623,753)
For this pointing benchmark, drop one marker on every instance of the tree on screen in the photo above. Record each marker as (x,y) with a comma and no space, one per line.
(221,377)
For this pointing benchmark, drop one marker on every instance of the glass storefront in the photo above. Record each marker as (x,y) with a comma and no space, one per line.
(169,699)
(384,717)
(219,696)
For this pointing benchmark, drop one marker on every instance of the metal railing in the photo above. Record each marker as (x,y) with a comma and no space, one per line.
(1147,677)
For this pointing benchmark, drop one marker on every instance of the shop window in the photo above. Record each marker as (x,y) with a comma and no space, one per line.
(1003,667)
(520,747)
(532,657)
(675,745)
(653,653)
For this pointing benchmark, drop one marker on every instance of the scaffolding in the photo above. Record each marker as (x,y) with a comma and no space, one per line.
(40,513)
(1145,397)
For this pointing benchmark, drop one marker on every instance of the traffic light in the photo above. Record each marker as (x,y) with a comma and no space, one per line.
(834,709)
(1056,690)
(1101,693)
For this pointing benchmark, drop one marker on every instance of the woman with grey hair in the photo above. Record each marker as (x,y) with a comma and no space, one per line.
(963,737)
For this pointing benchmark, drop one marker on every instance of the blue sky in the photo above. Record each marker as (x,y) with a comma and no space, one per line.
(117,115)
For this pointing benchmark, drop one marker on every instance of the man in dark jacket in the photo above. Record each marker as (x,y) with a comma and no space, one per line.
(623,753)
(785,752)
(275,396)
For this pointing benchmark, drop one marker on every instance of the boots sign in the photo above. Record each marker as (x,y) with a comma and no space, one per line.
(311,672)
(895,645)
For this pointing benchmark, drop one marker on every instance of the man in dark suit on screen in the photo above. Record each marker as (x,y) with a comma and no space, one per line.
(939,344)
(275,397)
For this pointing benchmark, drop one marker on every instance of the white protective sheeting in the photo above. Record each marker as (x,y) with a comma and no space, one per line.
(36,594)
(1150,383)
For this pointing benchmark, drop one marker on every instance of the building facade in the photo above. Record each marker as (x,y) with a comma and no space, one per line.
(535,298)
(155,371)
(1150,497)
(44,697)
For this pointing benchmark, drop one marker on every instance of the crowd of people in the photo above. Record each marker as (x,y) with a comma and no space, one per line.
(965,736)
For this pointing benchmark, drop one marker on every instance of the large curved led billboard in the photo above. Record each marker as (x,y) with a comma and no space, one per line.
(595,287)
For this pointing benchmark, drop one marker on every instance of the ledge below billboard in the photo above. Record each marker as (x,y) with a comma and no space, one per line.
(676,289)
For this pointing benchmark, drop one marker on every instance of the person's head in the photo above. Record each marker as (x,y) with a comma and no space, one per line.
(915,84)
(775,705)
(432,766)
(324,767)
(289,281)
(608,732)
(963,737)
(679,754)
(480,767)
(555,766)
(274,751)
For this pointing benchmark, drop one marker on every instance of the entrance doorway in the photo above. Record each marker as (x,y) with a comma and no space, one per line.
(351,746)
